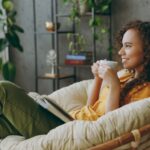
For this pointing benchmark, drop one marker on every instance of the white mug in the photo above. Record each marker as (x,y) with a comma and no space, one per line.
(111,64)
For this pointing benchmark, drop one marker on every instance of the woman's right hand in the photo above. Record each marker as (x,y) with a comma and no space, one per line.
(94,69)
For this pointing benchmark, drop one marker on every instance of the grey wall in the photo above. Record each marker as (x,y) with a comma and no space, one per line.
(122,12)
(25,61)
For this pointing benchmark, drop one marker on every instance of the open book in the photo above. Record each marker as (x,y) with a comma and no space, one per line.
(51,106)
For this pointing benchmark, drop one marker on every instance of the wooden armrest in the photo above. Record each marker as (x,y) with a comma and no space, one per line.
(121,140)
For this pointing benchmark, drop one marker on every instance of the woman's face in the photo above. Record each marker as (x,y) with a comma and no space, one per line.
(132,50)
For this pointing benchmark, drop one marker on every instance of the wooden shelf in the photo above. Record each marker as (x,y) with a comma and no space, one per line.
(53,32)
(55,43)
(89,13)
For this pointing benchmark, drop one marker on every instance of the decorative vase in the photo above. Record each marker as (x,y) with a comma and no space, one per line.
(51,60)
(52,69)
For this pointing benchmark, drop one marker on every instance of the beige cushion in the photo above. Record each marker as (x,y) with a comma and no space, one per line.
(73,96)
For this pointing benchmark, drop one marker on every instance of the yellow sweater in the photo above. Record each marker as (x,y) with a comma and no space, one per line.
(98,109)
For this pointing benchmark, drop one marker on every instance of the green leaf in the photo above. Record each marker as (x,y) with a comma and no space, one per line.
(9,71)
(3,44)
(74,13)
(65,1)
(96,37)
(11,35)
(14,40)
(9,21)
(103,30)
(91,3)
(105,8)
(108,2)
(70,45)
(17,28)
(95,22)
(1,12)
(20,48)
(1,62)
(91,22)
(8,5)
(12,15)
(98,21)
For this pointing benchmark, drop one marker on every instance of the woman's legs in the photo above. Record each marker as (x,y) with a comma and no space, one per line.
(22,114)
(6,128)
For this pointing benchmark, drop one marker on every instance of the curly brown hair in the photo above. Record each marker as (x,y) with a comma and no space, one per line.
(143,27)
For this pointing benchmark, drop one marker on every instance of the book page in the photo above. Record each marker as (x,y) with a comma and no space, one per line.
(51,106)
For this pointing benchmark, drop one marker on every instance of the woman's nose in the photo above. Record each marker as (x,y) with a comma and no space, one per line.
(121,51)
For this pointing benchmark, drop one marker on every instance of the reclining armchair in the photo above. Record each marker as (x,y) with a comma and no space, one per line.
(124,128)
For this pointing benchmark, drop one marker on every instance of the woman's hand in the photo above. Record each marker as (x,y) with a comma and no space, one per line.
(96,85)
(110,77)
(108,74)
(94,69)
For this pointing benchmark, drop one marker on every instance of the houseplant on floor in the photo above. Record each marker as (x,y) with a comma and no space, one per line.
(10,38)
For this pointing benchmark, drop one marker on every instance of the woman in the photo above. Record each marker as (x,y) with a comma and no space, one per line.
(19,114)
(134,82)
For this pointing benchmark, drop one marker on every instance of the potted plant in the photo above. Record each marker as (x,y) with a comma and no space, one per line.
(76,43)
(77,55)
(10,39)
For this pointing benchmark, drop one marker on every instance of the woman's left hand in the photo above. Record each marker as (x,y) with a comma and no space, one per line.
(108,74)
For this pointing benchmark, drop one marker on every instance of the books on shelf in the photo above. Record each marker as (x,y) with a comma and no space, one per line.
(75,57)
(82,58)
(77,62)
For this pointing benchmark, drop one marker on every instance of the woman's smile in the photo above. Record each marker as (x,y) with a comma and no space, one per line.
(124,60)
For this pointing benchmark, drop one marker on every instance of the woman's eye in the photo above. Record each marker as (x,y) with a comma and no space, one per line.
(127,46)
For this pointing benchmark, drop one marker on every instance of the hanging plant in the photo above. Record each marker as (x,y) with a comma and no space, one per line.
(79,8)
(10,39)
(97,23)
(74,11)
(100,7)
